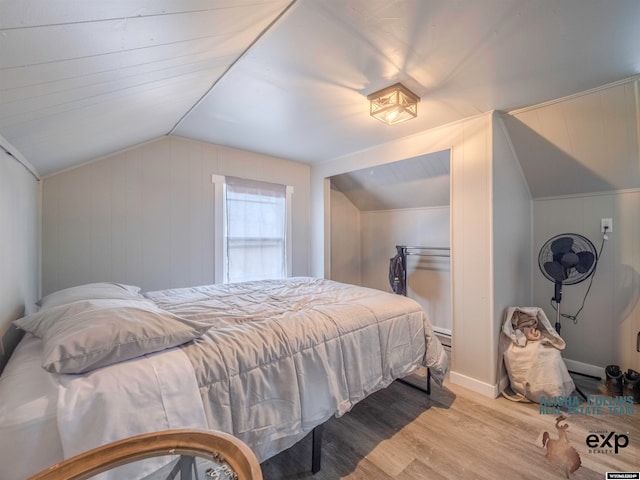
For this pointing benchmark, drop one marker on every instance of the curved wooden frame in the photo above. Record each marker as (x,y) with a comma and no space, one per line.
(200,443)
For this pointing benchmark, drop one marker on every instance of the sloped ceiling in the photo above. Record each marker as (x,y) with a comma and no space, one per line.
(421,181)
(81,79)
(588,143)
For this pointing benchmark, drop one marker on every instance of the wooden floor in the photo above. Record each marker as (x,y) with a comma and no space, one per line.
(401,433)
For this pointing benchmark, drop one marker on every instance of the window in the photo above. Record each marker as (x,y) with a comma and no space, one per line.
(254,230)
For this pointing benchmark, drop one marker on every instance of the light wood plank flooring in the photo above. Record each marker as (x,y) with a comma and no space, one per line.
(401,433)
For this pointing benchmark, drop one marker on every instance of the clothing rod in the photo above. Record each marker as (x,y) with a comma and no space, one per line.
(422,248)
(429,254)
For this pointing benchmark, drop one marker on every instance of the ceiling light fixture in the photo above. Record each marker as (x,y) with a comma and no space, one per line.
(394,104)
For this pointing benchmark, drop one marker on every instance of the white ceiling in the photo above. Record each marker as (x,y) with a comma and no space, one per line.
(81,79)
(421,181)
(587,143)
(84,78)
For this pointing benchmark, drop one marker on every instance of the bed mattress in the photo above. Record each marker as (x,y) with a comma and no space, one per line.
(280,358)
(28,413)
(293,353)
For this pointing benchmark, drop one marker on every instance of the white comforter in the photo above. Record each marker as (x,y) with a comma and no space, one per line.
(281,358)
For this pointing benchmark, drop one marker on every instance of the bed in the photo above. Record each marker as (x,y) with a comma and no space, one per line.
(265,361)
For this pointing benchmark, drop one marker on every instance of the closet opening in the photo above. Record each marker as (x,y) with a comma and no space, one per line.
(405,203)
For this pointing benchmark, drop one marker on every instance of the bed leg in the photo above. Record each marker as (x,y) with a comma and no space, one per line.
(187,467)
(426,390)
(316,448)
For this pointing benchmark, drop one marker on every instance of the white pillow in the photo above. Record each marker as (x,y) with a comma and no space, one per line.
(90,291)
(88,334)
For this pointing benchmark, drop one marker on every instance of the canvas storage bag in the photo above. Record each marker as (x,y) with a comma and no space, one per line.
(535,367)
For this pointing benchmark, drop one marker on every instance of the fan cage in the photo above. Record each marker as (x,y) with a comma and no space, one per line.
(580,244)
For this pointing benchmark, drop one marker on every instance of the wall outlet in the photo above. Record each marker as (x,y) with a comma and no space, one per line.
(606,222)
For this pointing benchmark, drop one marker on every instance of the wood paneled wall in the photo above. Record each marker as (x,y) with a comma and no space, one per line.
(146,216)
(607,328)
(589,142)
(569,149)
(475,325)
(345,240)
(428,278)
(19,248)
(512,226)
(363,242)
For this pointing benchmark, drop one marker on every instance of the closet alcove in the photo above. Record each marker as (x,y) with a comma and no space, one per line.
(375,209)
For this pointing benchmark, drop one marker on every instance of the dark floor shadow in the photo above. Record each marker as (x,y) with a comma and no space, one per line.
(348,440)
(10,340)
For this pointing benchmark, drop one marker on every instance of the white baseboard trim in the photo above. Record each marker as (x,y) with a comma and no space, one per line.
(477,386)
(584,368)
(493,391)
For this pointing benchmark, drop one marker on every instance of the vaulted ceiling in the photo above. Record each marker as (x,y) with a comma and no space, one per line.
(82,79)
(421,181)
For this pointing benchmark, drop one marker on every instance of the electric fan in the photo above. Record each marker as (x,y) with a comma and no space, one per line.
(567,259)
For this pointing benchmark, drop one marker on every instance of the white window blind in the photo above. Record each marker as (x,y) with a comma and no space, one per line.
(255,239)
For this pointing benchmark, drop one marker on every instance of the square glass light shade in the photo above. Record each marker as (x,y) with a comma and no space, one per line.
(394,104)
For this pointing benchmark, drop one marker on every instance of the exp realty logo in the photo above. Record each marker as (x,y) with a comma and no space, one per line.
(605,442)
(561,454)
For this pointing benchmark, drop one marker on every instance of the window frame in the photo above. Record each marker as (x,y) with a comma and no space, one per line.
(220,222)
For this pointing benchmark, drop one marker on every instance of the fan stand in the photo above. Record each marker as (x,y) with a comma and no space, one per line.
(558,298)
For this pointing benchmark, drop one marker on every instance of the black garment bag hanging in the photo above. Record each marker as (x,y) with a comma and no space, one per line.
(397,273)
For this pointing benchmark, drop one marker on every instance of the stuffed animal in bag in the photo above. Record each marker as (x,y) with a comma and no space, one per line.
(531,349)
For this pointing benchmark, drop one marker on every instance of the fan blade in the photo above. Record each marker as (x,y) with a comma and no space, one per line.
(585,261)
(555,271)
(569,260)
(562,245)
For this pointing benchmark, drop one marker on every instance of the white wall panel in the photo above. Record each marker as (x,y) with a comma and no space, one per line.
(51,231)
(243,164)
(474,324)
(146,216)
(118,220)
(512,227)
(345,240)
(74,247)
(626,281)
(157,221)
(101,205)
(132,236)
(474,335)
(19,248)
(428,278)
(607,328)
(583,144)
